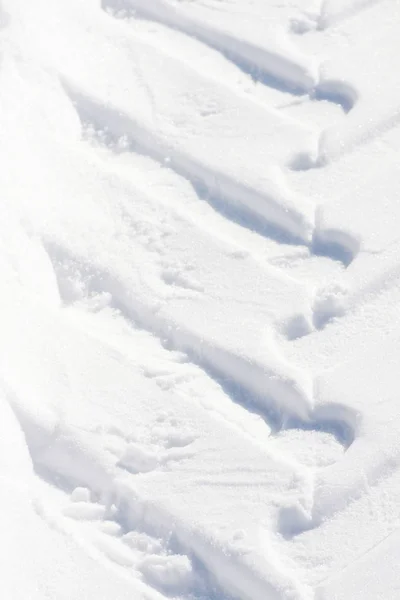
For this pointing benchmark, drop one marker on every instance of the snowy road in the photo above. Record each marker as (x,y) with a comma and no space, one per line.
(200,323)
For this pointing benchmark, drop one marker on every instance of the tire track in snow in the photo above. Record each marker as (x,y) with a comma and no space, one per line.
(325,242)
(63,444)
(284,393)
(294,520)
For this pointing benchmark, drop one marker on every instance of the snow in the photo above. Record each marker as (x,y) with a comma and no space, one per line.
(199,257)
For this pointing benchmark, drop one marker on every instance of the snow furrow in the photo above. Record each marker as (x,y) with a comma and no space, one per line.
(268,382)
(274,206)
(293,74)
(272,214)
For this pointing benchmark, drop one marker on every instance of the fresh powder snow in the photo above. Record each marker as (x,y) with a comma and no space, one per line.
(200,306)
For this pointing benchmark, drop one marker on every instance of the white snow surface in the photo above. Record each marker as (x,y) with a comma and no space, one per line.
(200,307)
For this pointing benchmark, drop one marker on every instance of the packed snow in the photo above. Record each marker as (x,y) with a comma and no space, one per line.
(200,322)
